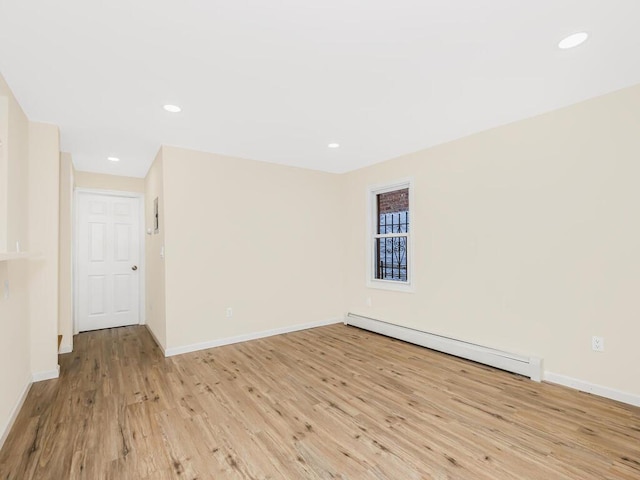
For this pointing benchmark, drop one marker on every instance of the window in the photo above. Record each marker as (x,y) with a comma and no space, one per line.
(389,240)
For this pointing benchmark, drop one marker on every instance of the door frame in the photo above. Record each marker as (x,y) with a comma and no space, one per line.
(141,268)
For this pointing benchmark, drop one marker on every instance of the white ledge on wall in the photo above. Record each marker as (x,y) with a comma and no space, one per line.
(6,256)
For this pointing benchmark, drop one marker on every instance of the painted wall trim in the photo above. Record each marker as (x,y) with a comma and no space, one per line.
(66,349)
(249,336)
(47,375)
(587,387)
(14,413)
(529,366)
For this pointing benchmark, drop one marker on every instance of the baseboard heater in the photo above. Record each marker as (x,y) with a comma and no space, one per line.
(528,366)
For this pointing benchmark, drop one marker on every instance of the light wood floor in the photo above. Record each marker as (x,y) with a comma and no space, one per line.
(330,403)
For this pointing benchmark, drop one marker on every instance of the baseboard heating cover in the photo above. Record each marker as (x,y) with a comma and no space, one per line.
(528,366)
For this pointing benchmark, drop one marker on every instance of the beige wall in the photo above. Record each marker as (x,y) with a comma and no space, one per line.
(4,170)
(526,239)
(18,181)
(261,238)
(155,272)
(109,182)
(523,235)
(65,301)
(29,315)
(13,171)
(15,368)
(44,200)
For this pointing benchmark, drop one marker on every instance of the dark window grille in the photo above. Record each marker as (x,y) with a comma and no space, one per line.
(391,251)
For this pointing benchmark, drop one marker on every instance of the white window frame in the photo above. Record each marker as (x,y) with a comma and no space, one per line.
(372,235)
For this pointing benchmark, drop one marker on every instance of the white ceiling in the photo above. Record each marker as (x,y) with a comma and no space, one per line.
(277,80)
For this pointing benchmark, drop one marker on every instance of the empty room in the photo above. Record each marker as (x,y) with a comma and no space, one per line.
(347,239)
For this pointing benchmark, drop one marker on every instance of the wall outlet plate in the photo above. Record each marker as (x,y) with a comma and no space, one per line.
(597,344)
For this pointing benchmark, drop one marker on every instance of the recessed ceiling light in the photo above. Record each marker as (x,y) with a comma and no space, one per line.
(113,159)
(333,145)
(172,108)
(573,40)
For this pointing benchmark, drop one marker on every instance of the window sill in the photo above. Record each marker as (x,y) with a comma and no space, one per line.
(391,286)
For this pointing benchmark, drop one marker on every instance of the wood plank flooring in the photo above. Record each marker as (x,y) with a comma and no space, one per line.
(329,403)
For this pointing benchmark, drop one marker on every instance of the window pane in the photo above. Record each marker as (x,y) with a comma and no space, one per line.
(391,258)
(393,211)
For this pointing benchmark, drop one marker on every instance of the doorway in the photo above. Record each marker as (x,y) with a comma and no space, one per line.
(109,280)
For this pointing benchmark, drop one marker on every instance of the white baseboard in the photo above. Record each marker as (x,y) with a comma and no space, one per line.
(14,413)
(169,352)
(65,349)
(48,375)
(601,391)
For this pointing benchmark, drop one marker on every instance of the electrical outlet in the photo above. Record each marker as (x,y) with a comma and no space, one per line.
(597,344)
(6,289)
(368,302)
(229,312)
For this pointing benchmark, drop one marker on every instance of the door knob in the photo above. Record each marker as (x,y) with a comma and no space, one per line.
(134,268)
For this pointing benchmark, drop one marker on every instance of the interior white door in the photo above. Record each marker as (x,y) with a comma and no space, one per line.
(108,254)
